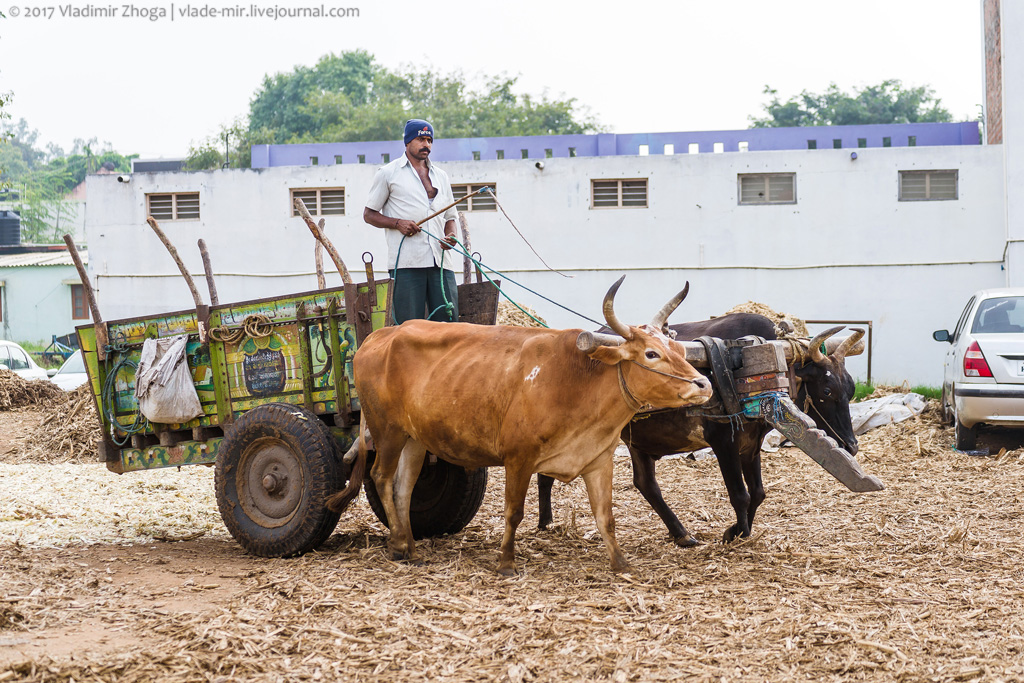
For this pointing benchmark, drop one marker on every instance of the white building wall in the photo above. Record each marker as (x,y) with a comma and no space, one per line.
(847,250)
(1012,23)
(37,303)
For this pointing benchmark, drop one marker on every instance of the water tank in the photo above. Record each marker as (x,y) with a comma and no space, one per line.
(10,229)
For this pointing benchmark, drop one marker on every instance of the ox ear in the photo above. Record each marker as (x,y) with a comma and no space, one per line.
(609,355)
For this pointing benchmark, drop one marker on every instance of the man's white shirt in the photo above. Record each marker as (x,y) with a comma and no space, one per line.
(398,192)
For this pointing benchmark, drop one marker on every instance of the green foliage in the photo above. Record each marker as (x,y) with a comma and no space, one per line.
(236,140)
(927,392)
(349,98)
(38,181)
(862,391)
(278,104)
(888,102)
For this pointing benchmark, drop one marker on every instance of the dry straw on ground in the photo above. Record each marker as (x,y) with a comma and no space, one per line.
(920,582)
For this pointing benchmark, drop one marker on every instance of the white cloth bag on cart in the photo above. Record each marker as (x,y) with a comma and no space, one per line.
(163,383)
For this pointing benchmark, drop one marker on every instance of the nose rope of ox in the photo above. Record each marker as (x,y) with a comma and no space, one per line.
(632,401)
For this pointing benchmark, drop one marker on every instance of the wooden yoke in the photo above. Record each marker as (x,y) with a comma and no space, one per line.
(322,239)
(102,336)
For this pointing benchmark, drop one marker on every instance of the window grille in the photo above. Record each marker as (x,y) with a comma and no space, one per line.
(767,188)
(612,194)
(179,206)
(916,186)
(324,201)
(481,202)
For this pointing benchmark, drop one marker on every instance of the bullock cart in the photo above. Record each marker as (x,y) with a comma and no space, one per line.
(279,409)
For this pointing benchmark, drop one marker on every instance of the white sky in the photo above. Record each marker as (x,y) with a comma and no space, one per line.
(153,87)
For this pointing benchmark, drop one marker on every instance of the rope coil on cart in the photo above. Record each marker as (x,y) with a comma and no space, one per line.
(256,326)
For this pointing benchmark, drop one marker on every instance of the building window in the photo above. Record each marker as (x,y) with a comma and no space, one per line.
(326,201)
(79,307)
(481,202)
(767,188)
(918,186)
(180,206)
(812,144)
(611,194)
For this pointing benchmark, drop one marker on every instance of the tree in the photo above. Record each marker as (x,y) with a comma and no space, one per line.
(887,102)
(235,140)
(349,98)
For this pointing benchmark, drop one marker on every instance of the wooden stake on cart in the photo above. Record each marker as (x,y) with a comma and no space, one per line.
(318,254)
(467,268)
(202,310)
(177,260)
(318,233)
(214,299)
(102,336)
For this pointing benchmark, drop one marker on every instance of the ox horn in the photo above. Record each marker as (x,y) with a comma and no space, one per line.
(815,344)
(609,312)
(659,320)
(847,345)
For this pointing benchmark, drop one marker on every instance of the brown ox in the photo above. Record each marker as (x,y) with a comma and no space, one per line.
(525,399)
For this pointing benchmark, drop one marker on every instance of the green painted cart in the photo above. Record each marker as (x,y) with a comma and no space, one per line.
(280,410)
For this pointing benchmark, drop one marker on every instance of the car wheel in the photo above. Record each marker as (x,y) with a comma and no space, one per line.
(946,408)
(966,437)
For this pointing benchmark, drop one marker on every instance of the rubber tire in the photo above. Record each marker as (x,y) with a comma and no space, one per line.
(445,499)
(300,435)
(966,437)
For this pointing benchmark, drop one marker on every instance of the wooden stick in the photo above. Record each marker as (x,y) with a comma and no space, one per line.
(177,260)
(467,268)
(90,297)
(318,254)
(214,299)
(320,237)
(457,201)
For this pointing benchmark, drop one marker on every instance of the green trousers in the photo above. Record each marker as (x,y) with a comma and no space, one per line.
(418,294)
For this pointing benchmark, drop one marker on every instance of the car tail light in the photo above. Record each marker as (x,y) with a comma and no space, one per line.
(975,364)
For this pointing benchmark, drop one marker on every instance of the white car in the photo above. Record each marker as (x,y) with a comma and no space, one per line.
(15,358)
(983,382)
(72,374)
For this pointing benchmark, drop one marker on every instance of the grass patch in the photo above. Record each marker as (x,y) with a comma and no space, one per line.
(863,390)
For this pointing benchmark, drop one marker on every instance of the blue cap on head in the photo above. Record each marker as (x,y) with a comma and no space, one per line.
(416,128)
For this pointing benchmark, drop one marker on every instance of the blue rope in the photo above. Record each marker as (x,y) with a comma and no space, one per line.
(110,390)
(447,305)
(483,267)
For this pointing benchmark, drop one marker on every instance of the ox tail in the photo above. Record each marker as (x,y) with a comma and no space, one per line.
(340,501)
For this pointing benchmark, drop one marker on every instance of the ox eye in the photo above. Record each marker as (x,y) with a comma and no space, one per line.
(652,355)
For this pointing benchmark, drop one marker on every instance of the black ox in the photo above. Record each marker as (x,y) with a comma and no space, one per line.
(824,389)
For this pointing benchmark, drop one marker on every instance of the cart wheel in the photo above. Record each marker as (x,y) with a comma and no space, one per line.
(444,500)
(275,470)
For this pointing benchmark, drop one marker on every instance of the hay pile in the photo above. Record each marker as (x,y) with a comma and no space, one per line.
(68,431)
(65,430)
(510,315)
(799,325)
(16,392)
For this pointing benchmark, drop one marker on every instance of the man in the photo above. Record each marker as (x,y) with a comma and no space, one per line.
(404,192)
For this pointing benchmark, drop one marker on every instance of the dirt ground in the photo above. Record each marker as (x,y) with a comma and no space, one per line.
(134,578)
